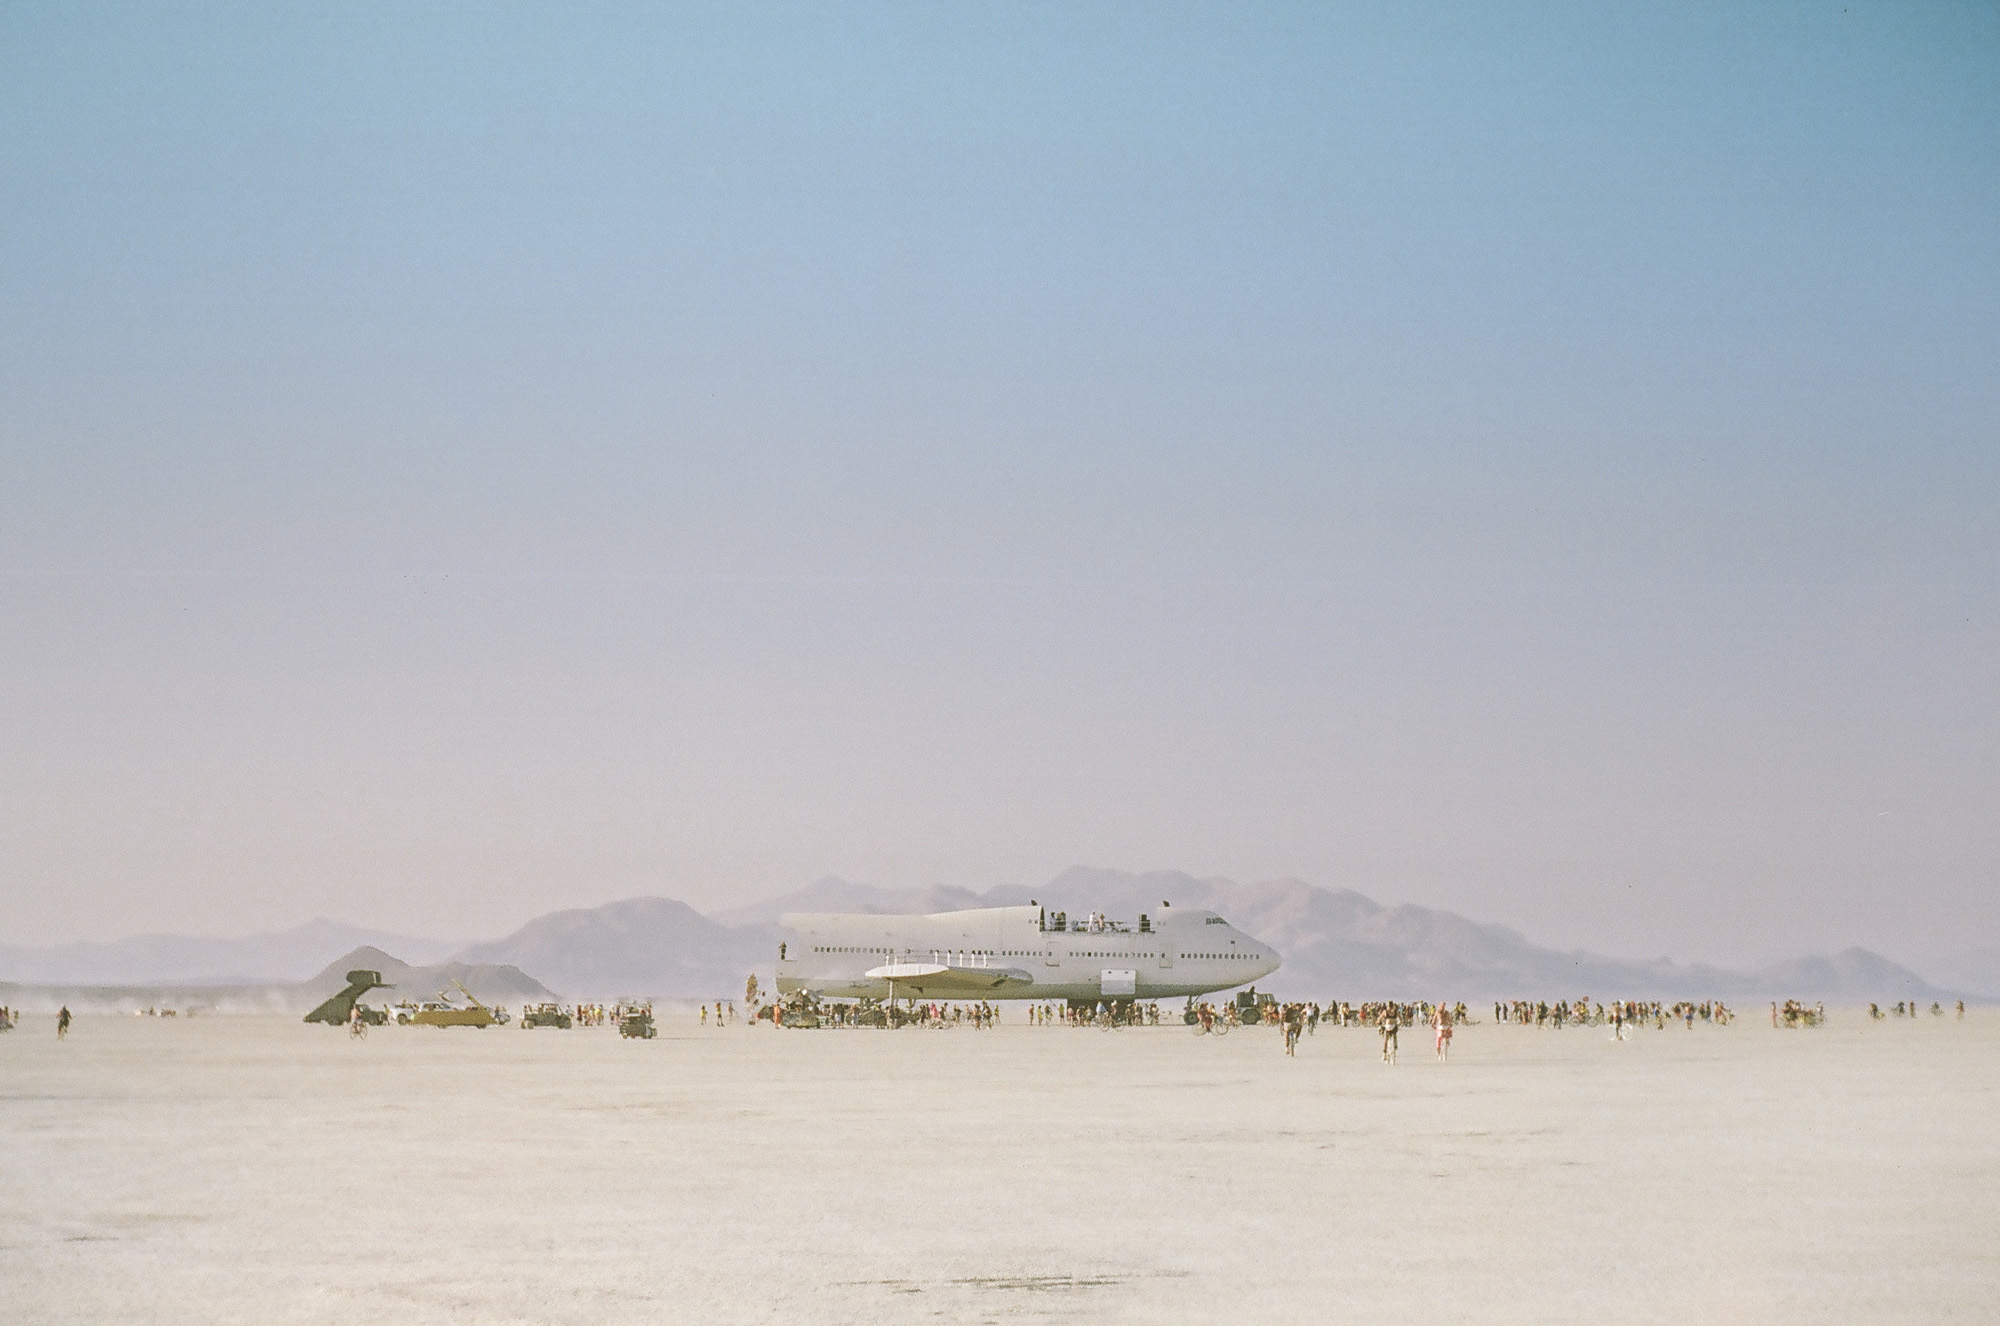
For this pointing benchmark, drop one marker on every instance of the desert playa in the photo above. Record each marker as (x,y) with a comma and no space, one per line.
(255,1170)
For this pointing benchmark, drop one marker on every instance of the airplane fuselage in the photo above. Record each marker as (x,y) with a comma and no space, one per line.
(1016,953)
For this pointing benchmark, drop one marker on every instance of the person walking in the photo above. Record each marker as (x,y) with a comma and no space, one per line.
(1389,1028)
(1443,1029)
(62,1023)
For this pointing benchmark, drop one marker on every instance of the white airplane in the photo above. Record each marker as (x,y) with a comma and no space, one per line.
(1016,953)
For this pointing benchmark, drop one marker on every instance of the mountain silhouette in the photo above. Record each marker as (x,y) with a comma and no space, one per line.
(1336,944)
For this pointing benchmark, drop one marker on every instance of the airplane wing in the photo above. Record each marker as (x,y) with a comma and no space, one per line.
(949,979)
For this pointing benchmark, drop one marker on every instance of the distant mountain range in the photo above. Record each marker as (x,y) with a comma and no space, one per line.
(639,947)
(1342,944)
(1335,943)
(494,983)
(281,955)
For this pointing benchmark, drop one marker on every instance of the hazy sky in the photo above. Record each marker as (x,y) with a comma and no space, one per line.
(462,460)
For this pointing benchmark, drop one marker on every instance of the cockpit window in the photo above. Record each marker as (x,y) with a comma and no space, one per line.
(1216,920)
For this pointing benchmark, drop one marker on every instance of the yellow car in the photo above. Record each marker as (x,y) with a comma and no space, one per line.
(439,1013)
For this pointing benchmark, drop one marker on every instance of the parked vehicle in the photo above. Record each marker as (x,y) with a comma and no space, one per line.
(441,1012)
(546,1015)
(1252,1008)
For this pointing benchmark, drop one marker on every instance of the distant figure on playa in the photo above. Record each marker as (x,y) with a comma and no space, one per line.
(1618,1022)
(1961,1009)
(62,1023)
(1389,1029)
(357,1025)
(1443,1029)
(704,1015)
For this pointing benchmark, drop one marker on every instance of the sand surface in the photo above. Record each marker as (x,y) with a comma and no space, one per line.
(256,1170)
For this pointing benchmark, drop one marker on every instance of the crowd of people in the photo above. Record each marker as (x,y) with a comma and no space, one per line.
(1618,1015)
(1298,1019)
(1371,1014)
(806,1011)
(1387,1017)
(1795,1014)
(1937,1009)
(1115,1013)
(980,1016)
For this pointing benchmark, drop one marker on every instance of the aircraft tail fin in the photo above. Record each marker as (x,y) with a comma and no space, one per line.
(336,1010)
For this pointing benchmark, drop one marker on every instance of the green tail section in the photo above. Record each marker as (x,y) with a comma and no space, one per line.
(335,1011)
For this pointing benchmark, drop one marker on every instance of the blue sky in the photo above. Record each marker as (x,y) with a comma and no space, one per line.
(1537,460)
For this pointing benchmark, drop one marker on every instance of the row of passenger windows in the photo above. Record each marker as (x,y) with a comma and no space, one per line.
(990,952)
(1026,953)
(1075,954)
